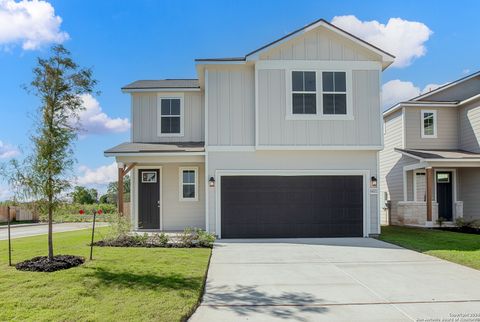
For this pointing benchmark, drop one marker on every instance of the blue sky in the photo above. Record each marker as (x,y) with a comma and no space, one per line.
(124,41)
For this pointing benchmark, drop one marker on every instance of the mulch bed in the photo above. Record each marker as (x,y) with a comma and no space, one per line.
(43,264)
(465,230)
(129,241)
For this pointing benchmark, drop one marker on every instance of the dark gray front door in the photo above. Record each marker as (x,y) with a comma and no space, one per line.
(148,199)
(444,195)
(291,206)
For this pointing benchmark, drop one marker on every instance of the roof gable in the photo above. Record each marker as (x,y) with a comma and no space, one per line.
(312,37)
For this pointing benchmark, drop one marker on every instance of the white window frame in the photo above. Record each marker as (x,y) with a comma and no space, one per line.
(306,92)
(422,128)
(319,95)
(160,97)
(181,183)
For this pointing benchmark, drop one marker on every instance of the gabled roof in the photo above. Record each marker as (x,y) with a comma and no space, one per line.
(440,155)
(422,100)
(444,87)
(162,84)
(253,55)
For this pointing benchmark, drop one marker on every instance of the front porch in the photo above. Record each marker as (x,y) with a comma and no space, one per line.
(167,190)
(439,188)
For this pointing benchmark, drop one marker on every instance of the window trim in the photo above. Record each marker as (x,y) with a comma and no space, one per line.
(422,128)
(161,96)
(319,95)
(181,183)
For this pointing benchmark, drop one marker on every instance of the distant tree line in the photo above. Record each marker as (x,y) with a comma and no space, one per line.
(86,196)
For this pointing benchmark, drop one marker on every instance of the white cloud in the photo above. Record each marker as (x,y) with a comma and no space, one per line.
(94,121)
(402,38)
(8,151)
(396,91)
(29,23)
(97,176)
(466,71)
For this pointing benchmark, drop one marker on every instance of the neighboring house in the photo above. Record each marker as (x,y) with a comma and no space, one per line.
(430,167)
(282,142)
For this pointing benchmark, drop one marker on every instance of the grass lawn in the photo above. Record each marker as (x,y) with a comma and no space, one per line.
(120,284)
(455,247)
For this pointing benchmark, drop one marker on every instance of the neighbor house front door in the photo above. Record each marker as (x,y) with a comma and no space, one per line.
(149,199)
(444,195)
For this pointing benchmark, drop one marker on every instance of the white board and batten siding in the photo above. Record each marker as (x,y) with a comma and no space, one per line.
(320,44)
(275,129)
(145,114)
(231,106)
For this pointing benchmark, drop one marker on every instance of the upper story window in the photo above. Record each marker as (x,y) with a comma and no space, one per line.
(429,124)
(304,93)
(334,90)
(319,94)
(170,120)
(188,184)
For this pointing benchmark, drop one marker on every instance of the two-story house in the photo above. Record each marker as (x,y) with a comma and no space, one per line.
(281,142)
(430,167)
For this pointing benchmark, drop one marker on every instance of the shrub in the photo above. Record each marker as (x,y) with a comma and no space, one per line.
(160,239)
(440,221)
(191,237)
(462,223)
(205,239)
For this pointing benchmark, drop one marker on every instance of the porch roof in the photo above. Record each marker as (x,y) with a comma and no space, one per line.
(440,155)
(132,148)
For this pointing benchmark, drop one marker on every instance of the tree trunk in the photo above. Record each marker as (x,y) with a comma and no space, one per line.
(50,221)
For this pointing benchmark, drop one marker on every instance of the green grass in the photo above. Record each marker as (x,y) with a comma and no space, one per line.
(455,247)
(120,284)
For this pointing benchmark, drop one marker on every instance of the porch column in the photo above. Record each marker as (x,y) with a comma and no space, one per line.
(120,190)
(121,173)
(429,179)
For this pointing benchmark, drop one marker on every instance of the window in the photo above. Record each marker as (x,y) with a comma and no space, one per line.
(334,91)
(443,177)
(188,184)
(170,114)
(304,92)
(149,177)
(429,124)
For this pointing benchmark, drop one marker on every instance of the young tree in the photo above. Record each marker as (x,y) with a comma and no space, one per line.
(83,195)
(45,175)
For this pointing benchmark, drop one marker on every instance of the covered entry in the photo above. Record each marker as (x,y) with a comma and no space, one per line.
(291,206)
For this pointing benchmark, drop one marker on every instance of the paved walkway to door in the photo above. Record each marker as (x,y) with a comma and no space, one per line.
(338,279)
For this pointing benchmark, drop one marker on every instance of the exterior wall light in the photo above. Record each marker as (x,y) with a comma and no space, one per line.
(211,182)
(373,182)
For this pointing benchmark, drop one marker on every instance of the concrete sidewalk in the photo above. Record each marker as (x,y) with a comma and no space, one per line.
(341,279)
(19,231)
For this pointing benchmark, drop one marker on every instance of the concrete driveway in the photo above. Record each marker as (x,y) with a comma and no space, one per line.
(341,279)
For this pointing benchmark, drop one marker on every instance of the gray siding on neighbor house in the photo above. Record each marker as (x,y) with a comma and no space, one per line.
(391,175)
(231,106)
(319,44)
(447,129)
(458,92)
(469,192)
(275,129)
(145,118)
(469,120)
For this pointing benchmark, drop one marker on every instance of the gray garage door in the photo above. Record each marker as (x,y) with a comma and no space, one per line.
(291,206)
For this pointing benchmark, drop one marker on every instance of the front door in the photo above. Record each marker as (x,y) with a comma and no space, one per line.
(444,195)
(149,199)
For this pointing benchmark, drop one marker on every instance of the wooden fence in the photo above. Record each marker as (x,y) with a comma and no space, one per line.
(17,213)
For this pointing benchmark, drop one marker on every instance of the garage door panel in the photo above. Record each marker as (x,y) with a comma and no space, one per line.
(291,206)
